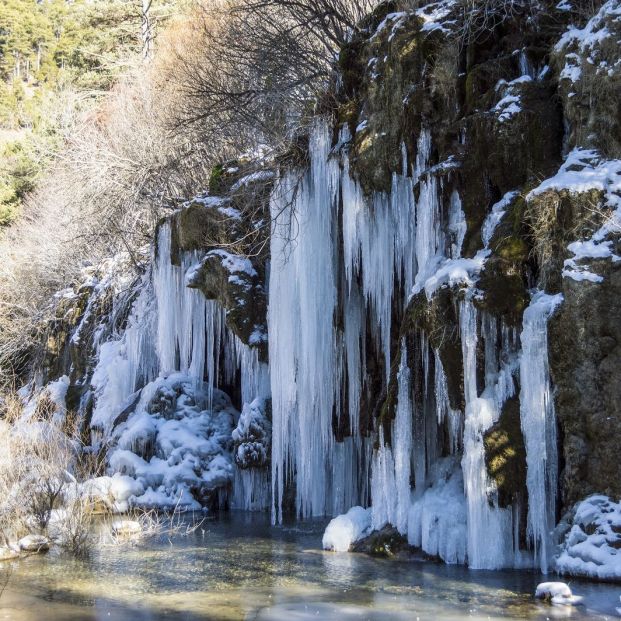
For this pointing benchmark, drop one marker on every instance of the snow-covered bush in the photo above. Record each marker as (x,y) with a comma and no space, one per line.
(35,460)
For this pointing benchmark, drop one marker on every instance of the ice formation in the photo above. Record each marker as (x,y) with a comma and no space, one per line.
(437,518)
(344,265)
(157,407)
(539,425)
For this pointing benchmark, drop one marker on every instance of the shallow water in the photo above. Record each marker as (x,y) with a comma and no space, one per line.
(238,567)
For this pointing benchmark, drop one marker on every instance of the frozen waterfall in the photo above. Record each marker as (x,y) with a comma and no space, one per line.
(539,425)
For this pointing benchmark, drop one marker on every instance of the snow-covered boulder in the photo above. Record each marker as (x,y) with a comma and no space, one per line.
(592,547)
(344,530)
(126,528)
(174,451)
(34,543)
(556,593)
(8,554)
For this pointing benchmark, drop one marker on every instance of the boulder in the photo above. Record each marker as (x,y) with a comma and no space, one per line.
(34,543)
(557,593)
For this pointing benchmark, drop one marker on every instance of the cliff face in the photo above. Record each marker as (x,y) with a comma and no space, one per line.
(427,302)
(505,106)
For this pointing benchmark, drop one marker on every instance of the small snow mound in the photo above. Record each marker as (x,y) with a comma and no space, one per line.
(344,530)
(556,593)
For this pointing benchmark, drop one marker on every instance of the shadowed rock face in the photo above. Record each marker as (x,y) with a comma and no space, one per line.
(585,358)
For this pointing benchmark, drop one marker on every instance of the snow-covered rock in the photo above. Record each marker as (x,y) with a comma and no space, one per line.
(592,547)
(556,593)
(34,543)
(126,528)
(8,554)
(174,450)
(344,530)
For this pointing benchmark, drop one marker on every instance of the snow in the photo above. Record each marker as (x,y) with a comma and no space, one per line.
(53,393)
(594,32)
(395,19)
(454,272)
(171,445)
(581,45)
(34,543)
(344,530)
(557,593)
(463,271)
(230,212)
(208,201)
(510,102)
(591,547)
(255,177)
(433,15)
(233,263)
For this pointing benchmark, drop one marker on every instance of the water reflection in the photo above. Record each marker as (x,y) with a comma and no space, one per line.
(239,567)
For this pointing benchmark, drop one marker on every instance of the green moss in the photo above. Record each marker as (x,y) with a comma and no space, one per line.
(384,542)
(215,179)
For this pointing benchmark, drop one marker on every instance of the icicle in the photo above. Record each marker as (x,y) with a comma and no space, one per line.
(457,225)
(444,411)
(251,489)
(301,335)
(539,425)
(378,242)
(383,487)
(354,336)
(390,482)
(429,238)
(489,528)
(402,437)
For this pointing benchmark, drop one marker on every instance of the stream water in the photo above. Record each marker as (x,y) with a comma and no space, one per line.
(239,567)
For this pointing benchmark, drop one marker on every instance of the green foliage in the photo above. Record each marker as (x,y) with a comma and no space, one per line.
(215,179)
(48,47)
